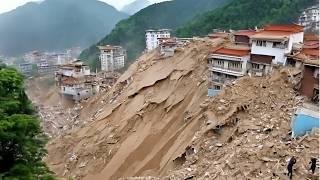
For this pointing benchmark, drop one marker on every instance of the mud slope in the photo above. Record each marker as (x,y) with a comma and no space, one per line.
(141,125)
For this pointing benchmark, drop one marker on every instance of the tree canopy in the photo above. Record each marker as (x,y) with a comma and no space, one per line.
(21,139)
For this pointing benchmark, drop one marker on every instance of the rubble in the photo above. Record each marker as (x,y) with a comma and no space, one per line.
(156,123)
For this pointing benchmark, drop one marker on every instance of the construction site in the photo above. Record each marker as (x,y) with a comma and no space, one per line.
(158,122)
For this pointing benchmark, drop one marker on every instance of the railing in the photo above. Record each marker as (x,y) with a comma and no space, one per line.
(222,67)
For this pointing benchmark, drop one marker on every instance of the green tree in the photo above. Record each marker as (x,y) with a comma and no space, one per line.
(21,139)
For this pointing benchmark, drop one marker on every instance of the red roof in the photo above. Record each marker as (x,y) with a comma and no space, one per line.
(311,37)
(70,81)
(311,52)
(293,28)
(231,52)
(245,33)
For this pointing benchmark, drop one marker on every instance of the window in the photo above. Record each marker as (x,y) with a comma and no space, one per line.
(261,43)
(235,65)
(255,66)
(316,73)
(218,63)
(215,87)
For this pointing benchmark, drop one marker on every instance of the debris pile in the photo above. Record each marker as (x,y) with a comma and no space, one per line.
(247,134)
(156,122)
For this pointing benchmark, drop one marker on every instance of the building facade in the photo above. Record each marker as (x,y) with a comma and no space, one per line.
(275,42)
(167,48)
(226,65)
(75,80)
(25,68)
(112,57)
(153,36)
(309,18)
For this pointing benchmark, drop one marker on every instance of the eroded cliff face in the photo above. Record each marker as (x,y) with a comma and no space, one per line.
(143,123)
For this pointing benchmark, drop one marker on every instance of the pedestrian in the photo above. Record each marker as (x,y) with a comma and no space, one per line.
(313,162)
(292,161)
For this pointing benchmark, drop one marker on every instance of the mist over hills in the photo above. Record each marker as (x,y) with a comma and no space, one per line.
(135,6)
(55,25)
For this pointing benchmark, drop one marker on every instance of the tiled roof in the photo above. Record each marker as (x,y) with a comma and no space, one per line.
(311,52)
(293,28)
(231,52)
(311,37)
(271,35)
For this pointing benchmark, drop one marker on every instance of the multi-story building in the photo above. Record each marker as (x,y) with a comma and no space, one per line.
(272,45)
(76,81)
(25,68)
(309,18)
(226,65)
(153,36)
(112,57)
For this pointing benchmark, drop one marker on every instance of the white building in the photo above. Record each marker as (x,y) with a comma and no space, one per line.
(226,65)
(274,43)
(112,57)
(75,80)
(153,38)
(310,17)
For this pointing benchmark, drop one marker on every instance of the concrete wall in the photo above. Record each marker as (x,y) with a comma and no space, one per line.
(303,123)
(308,81)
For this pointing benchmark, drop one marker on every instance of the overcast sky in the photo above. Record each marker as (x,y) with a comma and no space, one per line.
(7,5)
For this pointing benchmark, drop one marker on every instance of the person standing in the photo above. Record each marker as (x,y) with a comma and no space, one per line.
(313,163)
(292,161)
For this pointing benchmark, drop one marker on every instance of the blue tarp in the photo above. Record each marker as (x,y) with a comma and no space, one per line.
(303,123)
(212,92)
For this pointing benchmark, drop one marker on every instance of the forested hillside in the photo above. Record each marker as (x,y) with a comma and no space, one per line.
(56,25)
(130,33)
(21,139)
(246,13)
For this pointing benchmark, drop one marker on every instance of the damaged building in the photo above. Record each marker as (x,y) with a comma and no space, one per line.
(75,81)
(226,65)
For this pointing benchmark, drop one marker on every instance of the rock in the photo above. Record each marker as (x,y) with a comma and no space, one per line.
(219,144)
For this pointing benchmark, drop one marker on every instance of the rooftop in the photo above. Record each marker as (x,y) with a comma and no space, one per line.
(293,28)
(311,37)
(231,52)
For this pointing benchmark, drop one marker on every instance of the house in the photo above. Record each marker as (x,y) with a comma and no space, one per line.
(75,80)
(226,65)
(271,46)
(112,57)
(153,36)
(242,37)
(309,18)
(25,68)
(45,67)
(168,47)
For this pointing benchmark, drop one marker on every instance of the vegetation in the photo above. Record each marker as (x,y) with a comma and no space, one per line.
(21,139)
(130,33)
(246,13)
(56,25)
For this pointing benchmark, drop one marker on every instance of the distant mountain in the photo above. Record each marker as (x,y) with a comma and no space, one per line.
(241,14)
(135,6)
(55,25)
(130,33)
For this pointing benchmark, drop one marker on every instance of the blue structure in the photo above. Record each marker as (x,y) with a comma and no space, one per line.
(212,92)
(304,121)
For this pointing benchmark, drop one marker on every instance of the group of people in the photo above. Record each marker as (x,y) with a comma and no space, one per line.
(293,160)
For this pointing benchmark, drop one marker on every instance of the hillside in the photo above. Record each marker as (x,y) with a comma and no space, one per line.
(241,14)
(55,25)
(130,33)
(158,121)
(135,6)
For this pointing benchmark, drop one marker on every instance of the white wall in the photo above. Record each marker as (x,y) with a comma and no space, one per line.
(226,60)
(278,53)
(152,41)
